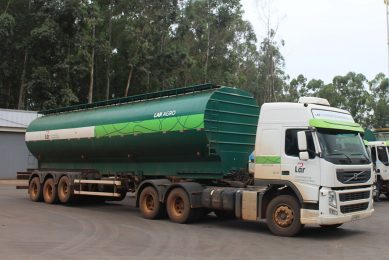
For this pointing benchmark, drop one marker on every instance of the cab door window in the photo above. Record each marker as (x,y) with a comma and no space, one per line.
(291,145)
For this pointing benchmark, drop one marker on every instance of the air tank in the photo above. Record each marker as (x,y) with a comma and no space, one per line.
(203,131)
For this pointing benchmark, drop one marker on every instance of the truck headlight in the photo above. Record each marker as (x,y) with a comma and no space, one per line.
(332,198)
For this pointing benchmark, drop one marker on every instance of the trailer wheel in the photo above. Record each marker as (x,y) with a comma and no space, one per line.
(178,207)
(149,205)
(283,216)
(50,194)
(65,190)
(35,190)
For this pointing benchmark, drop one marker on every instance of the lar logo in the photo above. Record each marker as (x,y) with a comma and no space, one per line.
(299,167)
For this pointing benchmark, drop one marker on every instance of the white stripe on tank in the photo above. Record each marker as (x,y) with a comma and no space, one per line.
(61,134)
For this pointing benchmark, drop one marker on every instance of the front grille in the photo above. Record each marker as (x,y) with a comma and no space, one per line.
(354,196)
(353,208)
(353,176)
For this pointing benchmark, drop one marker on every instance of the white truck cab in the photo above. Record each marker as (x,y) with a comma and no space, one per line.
(379,152)
(318,152)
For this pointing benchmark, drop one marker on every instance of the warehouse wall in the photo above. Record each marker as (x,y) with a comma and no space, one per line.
(14,155)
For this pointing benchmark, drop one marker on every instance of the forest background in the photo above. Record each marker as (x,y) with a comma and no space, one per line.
(56,53)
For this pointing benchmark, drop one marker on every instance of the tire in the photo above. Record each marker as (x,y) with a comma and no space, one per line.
(149,205)
(178,207)
(283,216)
(65,190)
(330,227)
(378,185)
(50,195)
(35,190)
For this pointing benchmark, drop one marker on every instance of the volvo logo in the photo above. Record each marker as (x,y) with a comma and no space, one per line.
(356,174)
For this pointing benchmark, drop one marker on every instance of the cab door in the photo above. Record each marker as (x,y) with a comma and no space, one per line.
(293,169)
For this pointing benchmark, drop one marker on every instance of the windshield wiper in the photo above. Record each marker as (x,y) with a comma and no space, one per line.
(344,155)
(364,155)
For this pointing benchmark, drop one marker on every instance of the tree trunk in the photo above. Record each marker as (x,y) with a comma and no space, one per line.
(208,45)
(108,72)
(92,63)
(22,88)
(129,80)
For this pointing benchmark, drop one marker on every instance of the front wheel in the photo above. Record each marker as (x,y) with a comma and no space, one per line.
(378,187)
(283,216)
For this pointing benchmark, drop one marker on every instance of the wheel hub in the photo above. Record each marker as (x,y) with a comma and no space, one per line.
(283,216)
(179,206)
(149,202)
(34,190)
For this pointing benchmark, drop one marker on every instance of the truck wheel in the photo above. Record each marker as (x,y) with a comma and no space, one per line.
(283,216)
(35,190)
(65,190)
(50,194)
(329,227)
(149,205)
(378,185)
(178,207)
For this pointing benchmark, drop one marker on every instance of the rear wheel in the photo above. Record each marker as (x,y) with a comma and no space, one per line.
(35,190)
(50,194)
(149,205)
(65,190)
(178,207)
(283,216)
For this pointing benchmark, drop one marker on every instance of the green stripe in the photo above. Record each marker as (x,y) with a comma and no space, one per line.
(268,160)
(334,124)
(167,124)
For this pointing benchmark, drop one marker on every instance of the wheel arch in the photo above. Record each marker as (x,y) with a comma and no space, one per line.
(194,191)
(274,190)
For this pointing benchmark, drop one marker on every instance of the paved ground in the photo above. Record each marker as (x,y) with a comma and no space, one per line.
(105,231)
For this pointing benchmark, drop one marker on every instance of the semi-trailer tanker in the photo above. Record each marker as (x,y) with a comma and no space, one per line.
(379,153)
(185,151)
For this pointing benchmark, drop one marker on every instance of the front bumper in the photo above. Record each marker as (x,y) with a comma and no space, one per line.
(352,209)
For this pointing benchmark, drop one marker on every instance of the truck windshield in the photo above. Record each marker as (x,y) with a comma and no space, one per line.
(342,147)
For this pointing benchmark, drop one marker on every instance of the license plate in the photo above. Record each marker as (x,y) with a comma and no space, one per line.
(355,217)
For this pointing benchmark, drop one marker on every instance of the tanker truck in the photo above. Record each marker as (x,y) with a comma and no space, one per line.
(184,152)
(379,152)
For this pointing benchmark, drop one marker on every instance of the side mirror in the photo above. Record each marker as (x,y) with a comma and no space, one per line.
(304,156)
(302,141)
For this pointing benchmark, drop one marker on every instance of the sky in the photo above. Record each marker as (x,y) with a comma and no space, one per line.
(325,38)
